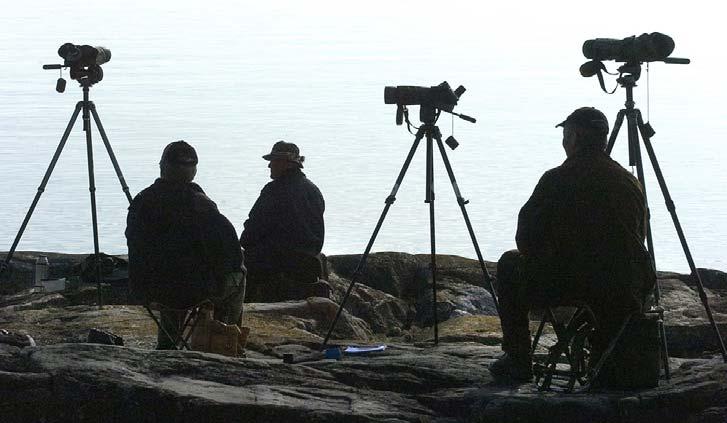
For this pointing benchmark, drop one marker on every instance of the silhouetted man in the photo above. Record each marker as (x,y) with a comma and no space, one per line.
(284,232)
(182,250)
(579,237)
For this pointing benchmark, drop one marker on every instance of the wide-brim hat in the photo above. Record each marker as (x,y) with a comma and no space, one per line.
(587,117)
(285,151)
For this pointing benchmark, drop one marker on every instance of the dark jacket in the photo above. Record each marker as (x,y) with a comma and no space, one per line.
(180,246)
(585,221)
(287,219)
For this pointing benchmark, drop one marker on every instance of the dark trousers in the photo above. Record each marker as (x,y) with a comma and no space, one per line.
(292,276)
(269,287)
(523,285)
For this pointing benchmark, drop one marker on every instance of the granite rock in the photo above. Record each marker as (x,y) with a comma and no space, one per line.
(64,379)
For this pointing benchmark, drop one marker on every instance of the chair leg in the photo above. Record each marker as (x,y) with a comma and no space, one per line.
(159,324)
(178,339)
(664,350)
(543,321)
(662,340)
(571,344)
(579,364)
(193,317)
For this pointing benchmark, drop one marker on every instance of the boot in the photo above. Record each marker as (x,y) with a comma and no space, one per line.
(516,368)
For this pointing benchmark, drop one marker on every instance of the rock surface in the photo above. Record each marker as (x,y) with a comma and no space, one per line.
(63,378)
(448,383)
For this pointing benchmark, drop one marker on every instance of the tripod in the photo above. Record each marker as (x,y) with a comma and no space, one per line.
(428,115)
(88,109)
(629,74)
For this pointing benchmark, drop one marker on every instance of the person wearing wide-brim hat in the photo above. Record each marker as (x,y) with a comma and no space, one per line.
(287,153)
(283,235)
(580,238)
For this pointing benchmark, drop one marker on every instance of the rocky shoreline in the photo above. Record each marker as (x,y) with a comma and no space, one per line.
(63,378)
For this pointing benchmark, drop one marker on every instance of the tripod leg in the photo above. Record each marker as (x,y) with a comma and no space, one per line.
(682,239)
(462,202)
(43,184)
(362,262)
(430,132)
(112,156)
(92,190)
(614,132)
(635,159)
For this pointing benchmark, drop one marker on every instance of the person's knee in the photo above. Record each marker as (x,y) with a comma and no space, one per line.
(507,266)
(509,259)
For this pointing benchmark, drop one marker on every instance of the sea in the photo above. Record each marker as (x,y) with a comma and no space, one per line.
(232,78)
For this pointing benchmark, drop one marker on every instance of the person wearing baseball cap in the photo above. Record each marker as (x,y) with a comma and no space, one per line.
(579,238)
(584,129)
(283,234)
(182,250)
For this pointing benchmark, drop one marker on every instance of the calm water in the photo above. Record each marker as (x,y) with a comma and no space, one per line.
(233,78)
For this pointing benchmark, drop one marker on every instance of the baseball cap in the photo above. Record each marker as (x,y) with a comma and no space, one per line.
(587,117)
(179,153)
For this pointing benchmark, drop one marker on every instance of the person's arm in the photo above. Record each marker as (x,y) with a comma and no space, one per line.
(644,221)
(262,217)
(534,219)
(134,233)
(230,251)
(310,230)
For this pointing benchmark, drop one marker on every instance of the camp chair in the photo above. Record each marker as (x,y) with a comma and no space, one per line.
(190,318)
(568,359)
(571,349)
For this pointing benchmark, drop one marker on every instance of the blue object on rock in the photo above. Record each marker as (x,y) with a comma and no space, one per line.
(334,353)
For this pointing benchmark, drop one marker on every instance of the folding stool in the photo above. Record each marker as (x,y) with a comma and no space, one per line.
(571,348)
(180,338)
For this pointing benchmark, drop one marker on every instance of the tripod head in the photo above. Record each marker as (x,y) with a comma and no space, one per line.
(86,76)
(432,102)
(84,62)
(428,116)
(628,73)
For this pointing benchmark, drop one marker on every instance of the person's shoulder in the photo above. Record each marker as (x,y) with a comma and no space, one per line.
(610,162)
(553,174)
(200,201)
(270,186)
(616,168)
(311,189)
(195,187)
(147,193)
(303,179)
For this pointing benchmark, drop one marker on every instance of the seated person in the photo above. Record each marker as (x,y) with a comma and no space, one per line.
(182,250)
(580,238)
(283,234)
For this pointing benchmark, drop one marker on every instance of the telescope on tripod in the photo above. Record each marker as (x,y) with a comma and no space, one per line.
(634,51)
(432,102)
(84,63)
